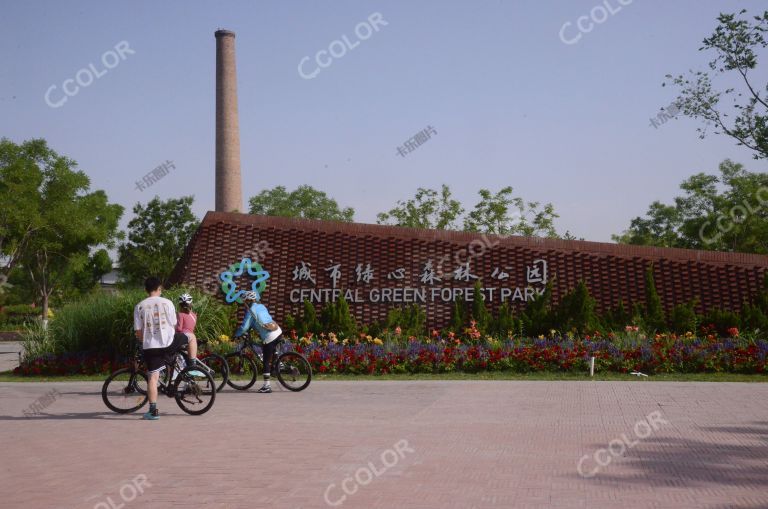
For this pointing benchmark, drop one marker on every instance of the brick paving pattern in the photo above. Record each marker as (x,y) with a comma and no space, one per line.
(461,445)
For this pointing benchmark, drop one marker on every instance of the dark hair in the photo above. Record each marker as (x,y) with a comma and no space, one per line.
(151,284)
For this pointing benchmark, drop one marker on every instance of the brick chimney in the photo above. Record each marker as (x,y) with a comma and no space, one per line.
(229,193)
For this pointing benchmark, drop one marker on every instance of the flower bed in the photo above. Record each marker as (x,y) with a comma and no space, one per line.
(553,355)
(437,354)
(69,364)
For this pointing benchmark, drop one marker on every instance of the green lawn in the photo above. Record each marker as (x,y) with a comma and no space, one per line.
(7,376)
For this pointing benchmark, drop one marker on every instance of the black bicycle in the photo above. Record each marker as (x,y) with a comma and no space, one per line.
(193,387)
(292,369)
(217,364)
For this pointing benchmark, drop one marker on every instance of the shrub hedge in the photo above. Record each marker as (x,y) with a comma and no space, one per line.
(103,323)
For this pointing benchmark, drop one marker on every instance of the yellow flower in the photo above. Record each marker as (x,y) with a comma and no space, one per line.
(541,336)
(369,338)
(377,341)
(346,340)
(223,337)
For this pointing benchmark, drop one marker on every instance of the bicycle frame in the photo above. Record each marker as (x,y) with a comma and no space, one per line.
(172,364)
(249,343)
(194,391)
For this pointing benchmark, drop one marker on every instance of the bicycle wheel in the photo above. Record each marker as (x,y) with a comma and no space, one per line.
(195,391)
(242,371)
(293,371)
(219,369)
(125,391)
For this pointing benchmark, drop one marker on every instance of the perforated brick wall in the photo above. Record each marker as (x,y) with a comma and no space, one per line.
(612,272)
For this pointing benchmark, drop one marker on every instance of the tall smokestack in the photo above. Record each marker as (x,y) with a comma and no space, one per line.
(229,195)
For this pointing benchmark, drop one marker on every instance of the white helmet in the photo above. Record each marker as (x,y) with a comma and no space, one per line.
(185,298)
(251,296)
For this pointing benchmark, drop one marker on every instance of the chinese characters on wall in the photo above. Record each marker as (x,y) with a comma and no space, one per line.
(428,288)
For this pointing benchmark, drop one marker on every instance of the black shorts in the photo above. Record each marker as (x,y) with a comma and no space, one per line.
(156,358)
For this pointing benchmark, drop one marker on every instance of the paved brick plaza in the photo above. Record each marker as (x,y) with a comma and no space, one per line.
(410,444)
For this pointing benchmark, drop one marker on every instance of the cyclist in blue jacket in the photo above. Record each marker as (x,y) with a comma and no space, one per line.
(257,317)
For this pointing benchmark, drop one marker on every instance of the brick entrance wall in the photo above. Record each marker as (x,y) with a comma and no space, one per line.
(612,272)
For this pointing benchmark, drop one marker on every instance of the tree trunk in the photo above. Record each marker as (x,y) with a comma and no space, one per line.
(45,309)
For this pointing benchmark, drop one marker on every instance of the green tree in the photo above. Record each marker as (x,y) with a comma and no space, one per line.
(576,311)
(23,169)
(660,228)
(458,316)
(337,318)
(683,318)
(734,105)
(504,324)
(308,321)
(86,278)
(653,317)
(428,209)
(617,318)
(411,320)
(538,317)
(157,236)
(501,213)
(754,313)
(721,319)
(59,221)
(480,313)
(505,214)
(725,212)
(304,202)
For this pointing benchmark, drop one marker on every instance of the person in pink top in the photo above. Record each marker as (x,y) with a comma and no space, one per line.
(186,320)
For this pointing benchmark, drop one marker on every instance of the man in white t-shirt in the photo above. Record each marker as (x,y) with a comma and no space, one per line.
(154,320)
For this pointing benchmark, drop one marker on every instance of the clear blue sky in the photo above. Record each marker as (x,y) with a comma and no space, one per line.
(511,103)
